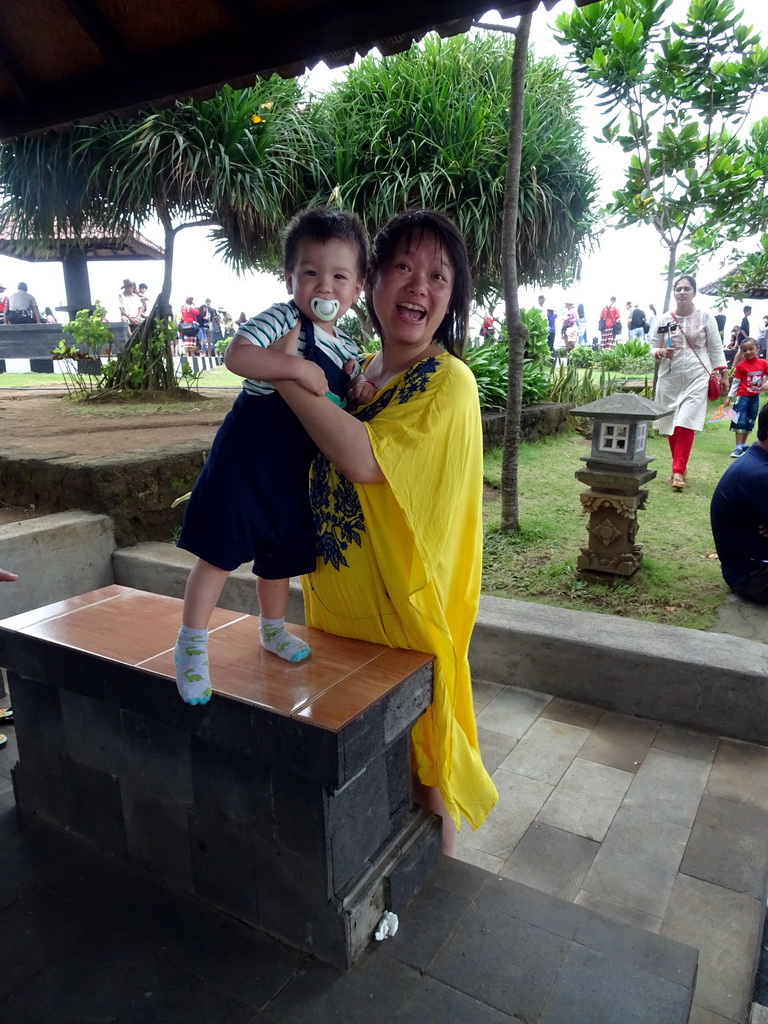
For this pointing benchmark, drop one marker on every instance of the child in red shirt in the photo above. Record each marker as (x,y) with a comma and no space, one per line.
(750,377)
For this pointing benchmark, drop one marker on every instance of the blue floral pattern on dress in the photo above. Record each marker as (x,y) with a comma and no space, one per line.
(338,515)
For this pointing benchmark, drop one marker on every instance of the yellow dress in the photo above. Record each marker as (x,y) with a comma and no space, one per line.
(399,562)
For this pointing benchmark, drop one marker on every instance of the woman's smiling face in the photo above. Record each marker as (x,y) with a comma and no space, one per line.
(412,294)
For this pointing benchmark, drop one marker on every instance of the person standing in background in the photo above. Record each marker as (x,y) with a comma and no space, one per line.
(609,317)
(720,321)
(581,324)
(552,327)
(636,323)
(744,329)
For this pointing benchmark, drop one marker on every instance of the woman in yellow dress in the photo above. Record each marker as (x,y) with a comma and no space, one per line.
(397,498)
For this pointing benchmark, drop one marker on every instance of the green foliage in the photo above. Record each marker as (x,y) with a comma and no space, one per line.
(582,357)
(90,332)
(569,384)
(632,356)
(489,364)
(536,348)
(536,382)
(686,89)
(429,127)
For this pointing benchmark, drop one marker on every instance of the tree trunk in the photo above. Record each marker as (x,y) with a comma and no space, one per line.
(516,329)
(670,277)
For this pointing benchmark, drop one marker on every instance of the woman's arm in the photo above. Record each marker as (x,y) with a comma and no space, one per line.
(342,438)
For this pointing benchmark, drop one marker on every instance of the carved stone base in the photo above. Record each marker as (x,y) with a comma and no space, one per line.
(612,529)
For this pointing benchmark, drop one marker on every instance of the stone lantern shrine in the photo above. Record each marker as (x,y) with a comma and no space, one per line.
(616,468)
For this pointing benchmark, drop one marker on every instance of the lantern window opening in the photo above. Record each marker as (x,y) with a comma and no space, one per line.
(614,437)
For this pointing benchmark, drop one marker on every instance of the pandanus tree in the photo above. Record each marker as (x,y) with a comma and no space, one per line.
(429,127)
(234,162)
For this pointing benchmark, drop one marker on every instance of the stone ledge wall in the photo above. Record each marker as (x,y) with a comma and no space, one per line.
(536,421)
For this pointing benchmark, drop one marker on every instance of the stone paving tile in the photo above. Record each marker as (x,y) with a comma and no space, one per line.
(656,954)
(725,926)
(483,691)
(728,846)
(513,711)
(432,1002)
(520,800)
(596,989)
(546,751)
(586,799)
(618,911)
(638,862)
(585,716)
(620,741)
(551,860)
(502,961)
(669,787)
(425,925)
(494,747)
(502,895)
(740,773)
(478,858)
(758,1014)
(319,994)
(686,743)
(700,1015)
(457,877)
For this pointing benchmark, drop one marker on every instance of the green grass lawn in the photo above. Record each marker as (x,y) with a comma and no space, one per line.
(678,583)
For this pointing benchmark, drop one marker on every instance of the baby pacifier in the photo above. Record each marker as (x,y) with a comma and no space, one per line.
(325,309)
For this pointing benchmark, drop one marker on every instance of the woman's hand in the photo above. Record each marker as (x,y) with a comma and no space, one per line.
(725,382)
(663,353)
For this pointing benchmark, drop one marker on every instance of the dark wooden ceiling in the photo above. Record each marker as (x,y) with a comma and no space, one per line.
(65,61)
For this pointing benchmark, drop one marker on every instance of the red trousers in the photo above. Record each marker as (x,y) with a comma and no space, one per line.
(680,444)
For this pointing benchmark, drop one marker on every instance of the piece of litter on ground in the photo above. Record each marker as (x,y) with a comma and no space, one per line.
(387,926)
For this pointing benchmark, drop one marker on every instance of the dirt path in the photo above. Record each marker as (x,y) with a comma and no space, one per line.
(42,425)
(37,425)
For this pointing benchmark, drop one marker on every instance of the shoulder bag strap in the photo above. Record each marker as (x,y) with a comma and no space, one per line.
(703,365)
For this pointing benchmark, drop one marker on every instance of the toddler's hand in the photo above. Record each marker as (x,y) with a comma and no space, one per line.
(360,390)
(727,403)
(311,377)
(289,343)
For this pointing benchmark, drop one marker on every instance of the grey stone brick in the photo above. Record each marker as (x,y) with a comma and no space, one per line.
(157,834)
(93,732)
(157,757)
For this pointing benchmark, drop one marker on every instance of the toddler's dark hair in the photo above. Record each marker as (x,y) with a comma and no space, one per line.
(321,224)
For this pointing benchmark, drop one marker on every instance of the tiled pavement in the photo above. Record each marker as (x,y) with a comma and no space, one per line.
(643,823)
(646,823)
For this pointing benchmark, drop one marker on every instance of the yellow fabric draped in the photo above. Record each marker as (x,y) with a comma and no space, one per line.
(400,561)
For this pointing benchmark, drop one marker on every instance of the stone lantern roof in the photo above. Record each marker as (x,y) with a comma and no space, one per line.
(623,406)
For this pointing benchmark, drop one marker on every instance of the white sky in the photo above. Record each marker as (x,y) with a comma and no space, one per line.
(628,264)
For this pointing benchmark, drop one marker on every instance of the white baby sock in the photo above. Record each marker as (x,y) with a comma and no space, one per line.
(276,639)
(191,660)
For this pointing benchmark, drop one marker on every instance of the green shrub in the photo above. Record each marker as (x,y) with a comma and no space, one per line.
(536,347)
(637,366)
(489,364)
(582,357)
(536,382)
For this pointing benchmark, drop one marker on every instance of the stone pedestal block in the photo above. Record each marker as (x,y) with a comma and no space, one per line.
(284,801)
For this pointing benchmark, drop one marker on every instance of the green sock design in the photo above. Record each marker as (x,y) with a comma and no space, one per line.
(276,639)
(191,661)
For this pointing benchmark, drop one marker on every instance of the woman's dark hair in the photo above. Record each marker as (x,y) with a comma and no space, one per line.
(580,311)
(414,225)
(686,277)
(321,224)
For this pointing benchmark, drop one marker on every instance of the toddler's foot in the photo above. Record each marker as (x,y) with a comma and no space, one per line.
(191,661)
(276,639)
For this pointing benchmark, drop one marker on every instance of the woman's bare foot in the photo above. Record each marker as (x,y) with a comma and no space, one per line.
(678,481)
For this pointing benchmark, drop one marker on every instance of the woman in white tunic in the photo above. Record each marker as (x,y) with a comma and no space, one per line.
(688,346)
